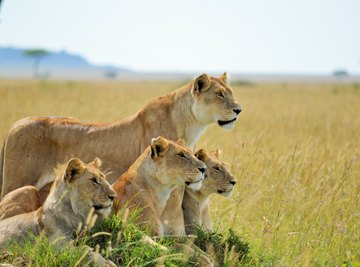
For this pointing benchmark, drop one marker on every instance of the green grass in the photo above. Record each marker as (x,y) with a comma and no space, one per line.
(295,153)
(38,251)
(119,239)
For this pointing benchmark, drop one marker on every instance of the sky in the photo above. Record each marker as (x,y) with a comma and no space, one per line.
(241,36)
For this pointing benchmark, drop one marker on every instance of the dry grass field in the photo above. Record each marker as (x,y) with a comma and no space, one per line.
(295,152)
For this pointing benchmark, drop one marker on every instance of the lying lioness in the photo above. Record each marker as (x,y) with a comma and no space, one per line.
(22,200)
(148,183)
(78,190)
(218,179)
(39,143)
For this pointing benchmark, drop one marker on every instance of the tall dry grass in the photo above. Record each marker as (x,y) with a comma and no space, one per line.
(295,152)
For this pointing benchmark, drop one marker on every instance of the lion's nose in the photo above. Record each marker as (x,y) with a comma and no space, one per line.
(237,110)
(233,182)
(202,170)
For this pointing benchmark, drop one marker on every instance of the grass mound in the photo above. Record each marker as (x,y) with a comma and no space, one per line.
(225,250)
(120,239)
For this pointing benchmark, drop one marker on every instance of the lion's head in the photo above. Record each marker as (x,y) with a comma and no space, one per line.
(218,178)
(214,101)
(87,188)
(176,163)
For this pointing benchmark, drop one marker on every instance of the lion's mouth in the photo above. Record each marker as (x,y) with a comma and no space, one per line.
(222,123)
(224,191)
(100,207)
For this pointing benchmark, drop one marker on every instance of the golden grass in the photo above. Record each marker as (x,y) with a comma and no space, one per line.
(295,152)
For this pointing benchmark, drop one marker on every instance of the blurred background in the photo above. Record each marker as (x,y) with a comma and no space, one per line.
(112,39)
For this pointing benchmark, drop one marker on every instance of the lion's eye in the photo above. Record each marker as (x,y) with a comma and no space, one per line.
(220,94)
(181,155)
(217,169)
(94,181)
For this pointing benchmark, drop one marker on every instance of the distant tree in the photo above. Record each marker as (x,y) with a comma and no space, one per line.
(340,73)
(37,55)
(0,8)
(110,74)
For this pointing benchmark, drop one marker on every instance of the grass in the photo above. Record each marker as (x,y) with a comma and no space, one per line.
(119,239)
(295,152)
(38,251)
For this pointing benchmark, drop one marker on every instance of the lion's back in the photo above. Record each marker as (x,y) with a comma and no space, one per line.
(22,200)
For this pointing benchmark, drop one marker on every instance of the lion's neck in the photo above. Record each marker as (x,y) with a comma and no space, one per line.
(197,197)
(194,205)
(145,178)
(193,134)
(58,212)
(187,126)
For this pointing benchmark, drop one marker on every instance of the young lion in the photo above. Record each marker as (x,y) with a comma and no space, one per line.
(218,179)
(78,190)
(148,183)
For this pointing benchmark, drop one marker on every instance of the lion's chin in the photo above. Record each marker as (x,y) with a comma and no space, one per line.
(195,185)
(103,211)
(226,193)
(227,125)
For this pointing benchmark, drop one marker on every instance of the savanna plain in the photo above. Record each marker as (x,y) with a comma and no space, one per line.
(294,151)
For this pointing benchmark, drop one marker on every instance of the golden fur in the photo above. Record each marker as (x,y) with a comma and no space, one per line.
(40,142)
(148,183)
(78,190)
(218,180)
(22,200)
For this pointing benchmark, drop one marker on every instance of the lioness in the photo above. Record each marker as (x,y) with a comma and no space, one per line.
(78,190)
(184,113)
(149,181)
(218,179)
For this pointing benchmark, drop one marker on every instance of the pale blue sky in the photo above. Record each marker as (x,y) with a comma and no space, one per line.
(252,36)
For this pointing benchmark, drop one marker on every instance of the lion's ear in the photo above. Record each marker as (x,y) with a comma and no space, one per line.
(75,167)
(201,154)
(217,153)
(182,142)
(201,84)
(225,77)
(96,163)
(158,146)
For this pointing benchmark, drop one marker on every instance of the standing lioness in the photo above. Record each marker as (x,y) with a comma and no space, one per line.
(40,142)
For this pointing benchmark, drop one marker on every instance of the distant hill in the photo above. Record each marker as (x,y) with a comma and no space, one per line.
(12,59)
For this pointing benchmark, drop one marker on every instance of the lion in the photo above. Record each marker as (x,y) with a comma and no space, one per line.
(218,180)
(79,190)
(185,113)
(149,181)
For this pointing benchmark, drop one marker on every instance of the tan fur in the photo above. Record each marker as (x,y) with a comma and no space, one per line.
(77,189)
(218,180)
(40,142)
(22,200)
(148,183)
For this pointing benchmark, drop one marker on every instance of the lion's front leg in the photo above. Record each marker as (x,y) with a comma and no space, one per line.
(206,220)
